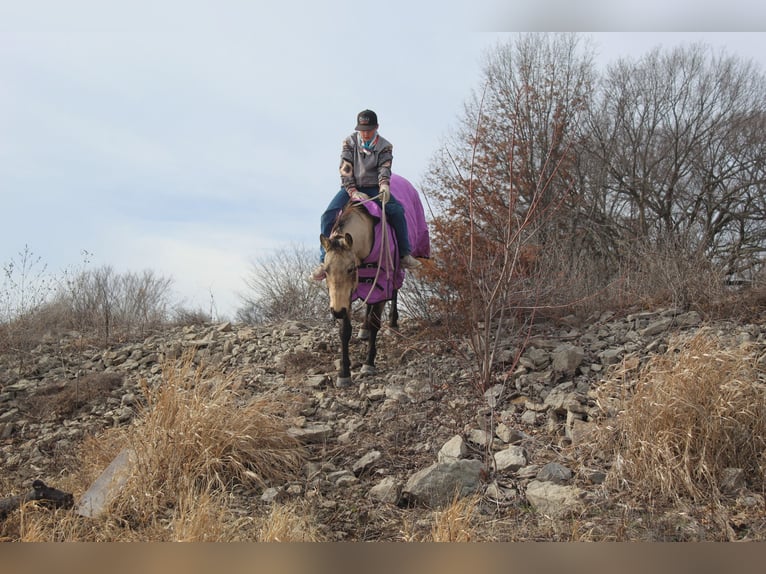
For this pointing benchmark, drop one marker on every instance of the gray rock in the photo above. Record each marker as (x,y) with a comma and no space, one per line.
(554,472)
(509,435)
(567,358)
(311,433)
(529,418)
(559,397)
(452,450)
(657,327)
(366,462)
(387,490)
(611,356)
(512,458)
(479,437)
(540,357)
(439,484)
(554,500)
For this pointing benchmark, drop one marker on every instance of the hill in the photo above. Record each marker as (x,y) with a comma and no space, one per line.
(417,452)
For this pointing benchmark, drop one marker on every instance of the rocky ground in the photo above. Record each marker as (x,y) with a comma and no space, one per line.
(394,446)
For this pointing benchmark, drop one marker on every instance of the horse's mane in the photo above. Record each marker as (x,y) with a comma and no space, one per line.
(353,212)
(350,210)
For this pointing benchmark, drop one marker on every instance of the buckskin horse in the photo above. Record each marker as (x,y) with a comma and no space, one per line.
(362,262)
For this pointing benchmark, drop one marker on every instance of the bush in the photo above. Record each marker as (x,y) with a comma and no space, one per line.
(280,289)
(126,304)
(696,410)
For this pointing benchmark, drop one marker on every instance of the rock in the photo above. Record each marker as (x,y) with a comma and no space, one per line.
(272,494)
(509,435)
(554,472)
(611,356)
(540,357)
(512,458)
(493,394)
(418,391)
(559,397)
(567,358)
(342,478)
(690,319)
(387,490)
(500,493)
(656,327)
(452,450)
(311,433)
(401,415)
(437,485)
(366,462)
(529,418)
(479,437)
(554,500)
(580,431)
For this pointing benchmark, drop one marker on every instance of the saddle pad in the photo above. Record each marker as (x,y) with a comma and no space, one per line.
(376,284)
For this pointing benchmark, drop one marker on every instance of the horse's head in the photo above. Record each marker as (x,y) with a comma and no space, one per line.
(340,265)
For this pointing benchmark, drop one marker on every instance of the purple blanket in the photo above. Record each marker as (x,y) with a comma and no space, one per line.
(379,284)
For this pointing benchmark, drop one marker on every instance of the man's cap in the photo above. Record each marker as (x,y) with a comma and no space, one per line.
(366,120)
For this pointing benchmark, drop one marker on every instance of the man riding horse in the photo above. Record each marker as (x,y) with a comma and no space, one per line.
(365,174)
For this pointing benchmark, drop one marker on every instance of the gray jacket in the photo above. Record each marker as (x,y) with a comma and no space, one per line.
(364,168)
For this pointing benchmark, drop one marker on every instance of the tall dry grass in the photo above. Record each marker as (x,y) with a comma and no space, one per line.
(194,443)
(456,522)
(696,410)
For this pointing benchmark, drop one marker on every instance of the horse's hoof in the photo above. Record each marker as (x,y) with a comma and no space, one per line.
(368,370)
(342,382)
(364,334)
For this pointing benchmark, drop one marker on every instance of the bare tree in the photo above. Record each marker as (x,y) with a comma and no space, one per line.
(501,183)
(678,145)
(279,289)
(129,303)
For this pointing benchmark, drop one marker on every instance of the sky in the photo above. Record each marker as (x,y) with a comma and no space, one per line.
(195,137)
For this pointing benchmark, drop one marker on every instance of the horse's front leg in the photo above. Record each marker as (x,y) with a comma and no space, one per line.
(344,377)
(373,324)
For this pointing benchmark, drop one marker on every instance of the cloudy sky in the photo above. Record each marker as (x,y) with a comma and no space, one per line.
(192,137)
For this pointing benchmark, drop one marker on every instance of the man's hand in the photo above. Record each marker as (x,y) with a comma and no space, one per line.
(385,193)
(359,196)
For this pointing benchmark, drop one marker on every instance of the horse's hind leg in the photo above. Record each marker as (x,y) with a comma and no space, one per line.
(373,323)
(394,319)
(364,330)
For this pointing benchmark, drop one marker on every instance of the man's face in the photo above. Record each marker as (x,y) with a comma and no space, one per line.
(367,134)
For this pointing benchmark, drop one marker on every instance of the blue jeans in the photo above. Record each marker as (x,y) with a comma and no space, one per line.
(394,215)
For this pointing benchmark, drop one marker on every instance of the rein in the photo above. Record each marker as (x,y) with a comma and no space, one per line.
(384,245)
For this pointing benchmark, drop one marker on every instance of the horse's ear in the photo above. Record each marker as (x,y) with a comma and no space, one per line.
(349,240)
(325,242)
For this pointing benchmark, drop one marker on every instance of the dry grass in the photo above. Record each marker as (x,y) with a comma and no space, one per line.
(290,522)
(456,522)
(696,410)
(194,443)
(194,429)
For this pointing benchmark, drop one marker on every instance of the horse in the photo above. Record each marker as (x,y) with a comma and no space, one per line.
(362,262)
(349,244)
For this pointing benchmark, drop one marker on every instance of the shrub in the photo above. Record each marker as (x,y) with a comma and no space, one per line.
(696,410)
(280,289)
